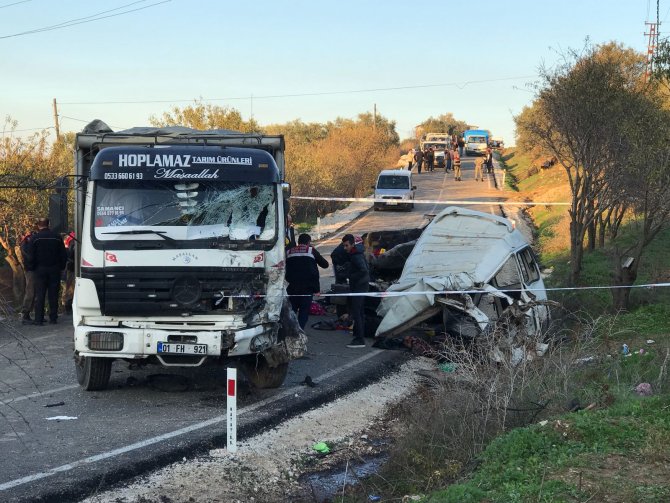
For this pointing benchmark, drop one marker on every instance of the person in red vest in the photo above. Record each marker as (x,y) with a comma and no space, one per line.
(68,288)
(302,275)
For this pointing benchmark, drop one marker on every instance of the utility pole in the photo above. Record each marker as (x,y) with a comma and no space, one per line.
(56,119)
(374,117)
(652,43)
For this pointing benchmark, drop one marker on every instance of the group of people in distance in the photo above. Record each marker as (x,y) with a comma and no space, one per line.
(302,275)
(452,160)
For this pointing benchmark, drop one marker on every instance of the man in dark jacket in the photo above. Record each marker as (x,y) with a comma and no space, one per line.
(418,157)
(48,258)
(302,276)
(359,282)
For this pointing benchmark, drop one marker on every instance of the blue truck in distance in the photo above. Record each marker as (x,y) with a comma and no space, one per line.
(476,141)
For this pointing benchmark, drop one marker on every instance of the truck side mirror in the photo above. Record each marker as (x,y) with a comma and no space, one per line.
(286,190)
(413,187)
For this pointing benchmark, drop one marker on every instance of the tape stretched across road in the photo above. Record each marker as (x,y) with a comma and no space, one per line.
(428,201)
(386,294)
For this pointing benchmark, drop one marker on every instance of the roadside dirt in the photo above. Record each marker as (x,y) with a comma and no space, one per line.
(271,467)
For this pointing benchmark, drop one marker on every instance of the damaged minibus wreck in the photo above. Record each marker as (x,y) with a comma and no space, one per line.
(471,272)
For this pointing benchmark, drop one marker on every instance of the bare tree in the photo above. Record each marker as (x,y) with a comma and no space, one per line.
(644,185)
(578,117)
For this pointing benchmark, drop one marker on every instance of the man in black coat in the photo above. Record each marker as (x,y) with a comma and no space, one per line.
(48,258)
(359,282)
(302,276)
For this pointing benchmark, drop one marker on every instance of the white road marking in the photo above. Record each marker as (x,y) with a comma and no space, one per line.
(40,393)
(182,431)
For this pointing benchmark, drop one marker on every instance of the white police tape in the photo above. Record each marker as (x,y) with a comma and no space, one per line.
(475,291)
(429,201)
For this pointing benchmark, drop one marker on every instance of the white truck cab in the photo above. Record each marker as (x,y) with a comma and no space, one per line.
(182,252)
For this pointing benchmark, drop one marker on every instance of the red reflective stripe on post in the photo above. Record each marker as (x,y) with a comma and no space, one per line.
(231,387)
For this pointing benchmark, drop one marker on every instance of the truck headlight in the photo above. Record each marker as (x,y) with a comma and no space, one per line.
(105,341)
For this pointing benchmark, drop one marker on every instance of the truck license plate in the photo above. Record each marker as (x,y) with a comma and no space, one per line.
(391,203)
(182,349)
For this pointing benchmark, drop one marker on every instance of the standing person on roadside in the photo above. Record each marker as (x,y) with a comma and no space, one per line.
(359,282)
(456,159)
(447,159)
(68,288)
(410,159)
(418,157)
(430,159)
(48,259)
(489,160)
(302,276)
(29,275)
(461,144)
(478,169)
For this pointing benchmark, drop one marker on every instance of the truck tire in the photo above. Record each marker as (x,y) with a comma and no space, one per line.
(261,375)
(93,373)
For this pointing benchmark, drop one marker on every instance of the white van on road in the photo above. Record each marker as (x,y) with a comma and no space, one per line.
(394,187)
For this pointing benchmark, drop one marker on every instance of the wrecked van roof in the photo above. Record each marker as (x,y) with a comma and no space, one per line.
(459,240)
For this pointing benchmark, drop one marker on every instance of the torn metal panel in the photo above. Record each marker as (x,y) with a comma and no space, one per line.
(476,268)
(292,339)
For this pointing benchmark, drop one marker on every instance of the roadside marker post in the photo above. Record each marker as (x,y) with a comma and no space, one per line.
(231,406)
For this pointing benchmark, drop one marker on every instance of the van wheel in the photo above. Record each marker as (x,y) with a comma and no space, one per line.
(93,373)
(261,375)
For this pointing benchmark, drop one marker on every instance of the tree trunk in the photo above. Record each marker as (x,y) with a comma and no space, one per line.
(576,252)
(602,230)
(591,234)
(18,278)
(624,278)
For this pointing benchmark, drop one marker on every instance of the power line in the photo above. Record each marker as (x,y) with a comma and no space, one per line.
(460,85)
(87,121)
(28,129)
(87,19)
(66,23)
(14,3)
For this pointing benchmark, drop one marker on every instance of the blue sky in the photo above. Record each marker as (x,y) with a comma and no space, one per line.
(227,52)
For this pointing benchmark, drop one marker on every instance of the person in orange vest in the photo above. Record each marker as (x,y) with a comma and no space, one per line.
(302,276)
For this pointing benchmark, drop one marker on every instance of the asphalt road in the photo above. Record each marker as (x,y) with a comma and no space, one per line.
(152,416)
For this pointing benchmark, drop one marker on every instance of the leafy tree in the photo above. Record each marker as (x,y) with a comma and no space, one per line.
(337,159)
(445,123)
(29,168)
(205,116)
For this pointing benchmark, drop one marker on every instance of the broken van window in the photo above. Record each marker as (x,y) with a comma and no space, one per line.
(185,210)
(507,278)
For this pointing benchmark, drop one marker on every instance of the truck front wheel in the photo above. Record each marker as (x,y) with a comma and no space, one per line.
(93,373)
(261,375)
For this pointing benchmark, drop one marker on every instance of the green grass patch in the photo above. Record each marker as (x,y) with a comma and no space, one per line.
(530,464)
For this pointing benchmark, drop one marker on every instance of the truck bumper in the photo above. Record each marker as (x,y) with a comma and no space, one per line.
(141,343)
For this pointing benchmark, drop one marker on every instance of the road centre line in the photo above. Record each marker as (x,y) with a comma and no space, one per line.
(182,431)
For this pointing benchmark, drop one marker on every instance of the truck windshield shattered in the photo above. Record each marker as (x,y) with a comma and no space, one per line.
(184,211)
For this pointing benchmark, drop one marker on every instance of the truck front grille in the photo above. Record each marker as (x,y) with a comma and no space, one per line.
(152,291)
